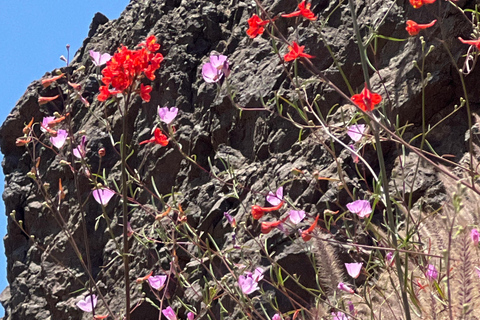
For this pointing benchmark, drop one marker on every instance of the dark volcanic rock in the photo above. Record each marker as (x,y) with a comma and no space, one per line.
(261,147)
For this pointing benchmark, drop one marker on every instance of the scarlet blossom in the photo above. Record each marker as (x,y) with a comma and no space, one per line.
(418,3)
(151,43)
(258,212)
(140,280)
(475,43)
(49,81)
(354,269)
(307,234)
(87,304)
(45,100)
(158,138)
(22,142)
(414,28)
(303,10)
(266,227)
(256,26)
(145,92)
(366,100)
(360,207)
(100,316)
(295,52)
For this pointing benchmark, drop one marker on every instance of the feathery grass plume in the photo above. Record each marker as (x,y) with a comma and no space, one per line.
(319,312)
(465,303)
(328,264)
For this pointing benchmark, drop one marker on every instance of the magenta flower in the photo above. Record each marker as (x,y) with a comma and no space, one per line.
(361,207)
(169,313)
(475,236)
(87,304)
(167,115)
(342,286)
(356,131)
(157,282)
(81,151)
(249,281)
(60,139)
(98,58)
(45,122)
(340,316)
(190,316)
(103,195)
(276,317)
(389,258)
(354,269)
(432,273)
(214,70)
(296,216)
(230,219)
(275,199)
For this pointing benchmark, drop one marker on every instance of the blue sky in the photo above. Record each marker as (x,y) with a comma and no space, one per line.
(34,34)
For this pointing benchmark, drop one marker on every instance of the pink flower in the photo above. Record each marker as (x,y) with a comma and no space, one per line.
(340,316)
(214,70)
(296,216)
(45,122)
(249,281)
(275,199)
(190,316)
(342,286)
(60,139)
(98,58)
(353,155)
(276,317)
(361,207)
(103,195)
(81,151)
(432,273)
(87,304)
(477,270)
(475,236)
(354,269)
(157,282)
(169,313)
(356,131)
(389,258)
(230,219)
(167,115)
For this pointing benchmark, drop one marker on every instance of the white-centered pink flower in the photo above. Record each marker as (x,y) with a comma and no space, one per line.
(87,304)
(167,115)
(98,58)
(360,207)
(214,70)
(59,140)
(248,282)
(354,269)
(275,199)
(296,216)
(356,131)
(103,195)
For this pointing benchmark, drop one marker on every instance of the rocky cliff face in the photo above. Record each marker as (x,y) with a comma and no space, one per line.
(260,146)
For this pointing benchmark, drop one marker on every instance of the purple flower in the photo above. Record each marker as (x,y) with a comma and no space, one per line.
(103,195)
(340,316)
(157,282)
(230,219)
(475,236)
(87,304)
(342,286)
(169,313)
(45,122)
(296,216)
(190,316)
(276,317)
(214,70)
(354,269)
(60,139)
(356,131)
(389,258)
(275,199)
(99,59)
(167,115)
(361,207)
(80,151)
(432,273)
(249,281)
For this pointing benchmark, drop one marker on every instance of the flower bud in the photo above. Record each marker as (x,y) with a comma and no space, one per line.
(101,152)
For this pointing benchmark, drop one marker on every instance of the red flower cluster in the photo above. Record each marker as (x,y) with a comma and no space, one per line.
(127,66)
(418,3)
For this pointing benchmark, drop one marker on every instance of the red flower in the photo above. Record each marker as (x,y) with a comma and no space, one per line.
(49,81)
(303,10)
(158,138)
(269,226)
(44,100)
(414,28)
(145,92)
(104,93)
(366,100)
(256,26)
(295,52)
(151,43)
(307,234)
(258,212)
(418,3)
(475,43)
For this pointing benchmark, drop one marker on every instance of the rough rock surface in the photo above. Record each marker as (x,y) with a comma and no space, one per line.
(261,147)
